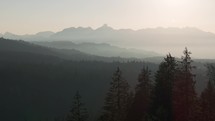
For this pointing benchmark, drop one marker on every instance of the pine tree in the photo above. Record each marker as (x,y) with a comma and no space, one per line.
(117,100)
(208,97)
(78,112)
(185,102)
(140,107)
(162,94)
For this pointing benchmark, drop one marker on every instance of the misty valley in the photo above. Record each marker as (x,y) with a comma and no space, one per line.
(107,60)
(65,81)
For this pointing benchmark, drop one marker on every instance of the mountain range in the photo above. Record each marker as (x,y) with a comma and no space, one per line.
(99,49)
(160,40)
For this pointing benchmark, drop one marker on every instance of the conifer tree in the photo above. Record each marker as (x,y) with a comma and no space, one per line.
(185,102)
(162,94)
(78,112)
(117,99)
(208,97)
(139,110)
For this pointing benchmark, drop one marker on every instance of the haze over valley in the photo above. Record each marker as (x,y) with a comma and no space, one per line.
(130,43)
(107,60)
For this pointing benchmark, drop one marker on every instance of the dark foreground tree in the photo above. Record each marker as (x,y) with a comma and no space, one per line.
(208,97)
(162,94)
(117,100)
(140,106)
(185,102)
(78,112)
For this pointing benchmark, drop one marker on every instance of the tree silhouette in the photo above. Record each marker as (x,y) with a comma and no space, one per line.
(162,94)
(185,102)
(117,100)
(140,107)
(78,112)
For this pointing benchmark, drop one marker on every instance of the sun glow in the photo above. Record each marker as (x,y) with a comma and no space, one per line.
(173,12)
(176,3)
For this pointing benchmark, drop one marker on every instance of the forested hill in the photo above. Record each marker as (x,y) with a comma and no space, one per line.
(13,48)
(38,83)
(44,91)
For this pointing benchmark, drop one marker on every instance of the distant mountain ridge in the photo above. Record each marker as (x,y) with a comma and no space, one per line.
(99,49)
(107,34)
(160,40)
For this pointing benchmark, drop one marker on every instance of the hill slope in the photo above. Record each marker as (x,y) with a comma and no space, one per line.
(101,49)
(12,48)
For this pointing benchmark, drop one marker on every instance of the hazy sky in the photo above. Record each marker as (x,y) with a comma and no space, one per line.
(31,16)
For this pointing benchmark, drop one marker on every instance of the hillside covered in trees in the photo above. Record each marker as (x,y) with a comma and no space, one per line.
(47,84)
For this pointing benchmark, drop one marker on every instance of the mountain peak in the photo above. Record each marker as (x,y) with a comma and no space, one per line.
(8,33)
(105,27)
(77,29)
(11,36)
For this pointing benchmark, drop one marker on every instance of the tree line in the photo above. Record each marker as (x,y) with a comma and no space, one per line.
(168,96)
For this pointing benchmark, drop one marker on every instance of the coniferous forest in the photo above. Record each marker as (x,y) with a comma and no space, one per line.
(107,60)
(47,87)
(171,96)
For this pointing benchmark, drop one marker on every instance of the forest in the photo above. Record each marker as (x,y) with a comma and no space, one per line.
(170,97)
(39,85)
(107,60)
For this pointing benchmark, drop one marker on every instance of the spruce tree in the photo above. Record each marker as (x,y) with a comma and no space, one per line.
(185,102)
(139,110)
(162,94)
(117,99)
(78,112)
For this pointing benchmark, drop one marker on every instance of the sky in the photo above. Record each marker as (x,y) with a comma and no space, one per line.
(32,16)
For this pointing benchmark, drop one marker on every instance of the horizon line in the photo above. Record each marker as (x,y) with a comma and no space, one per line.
(106,25)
